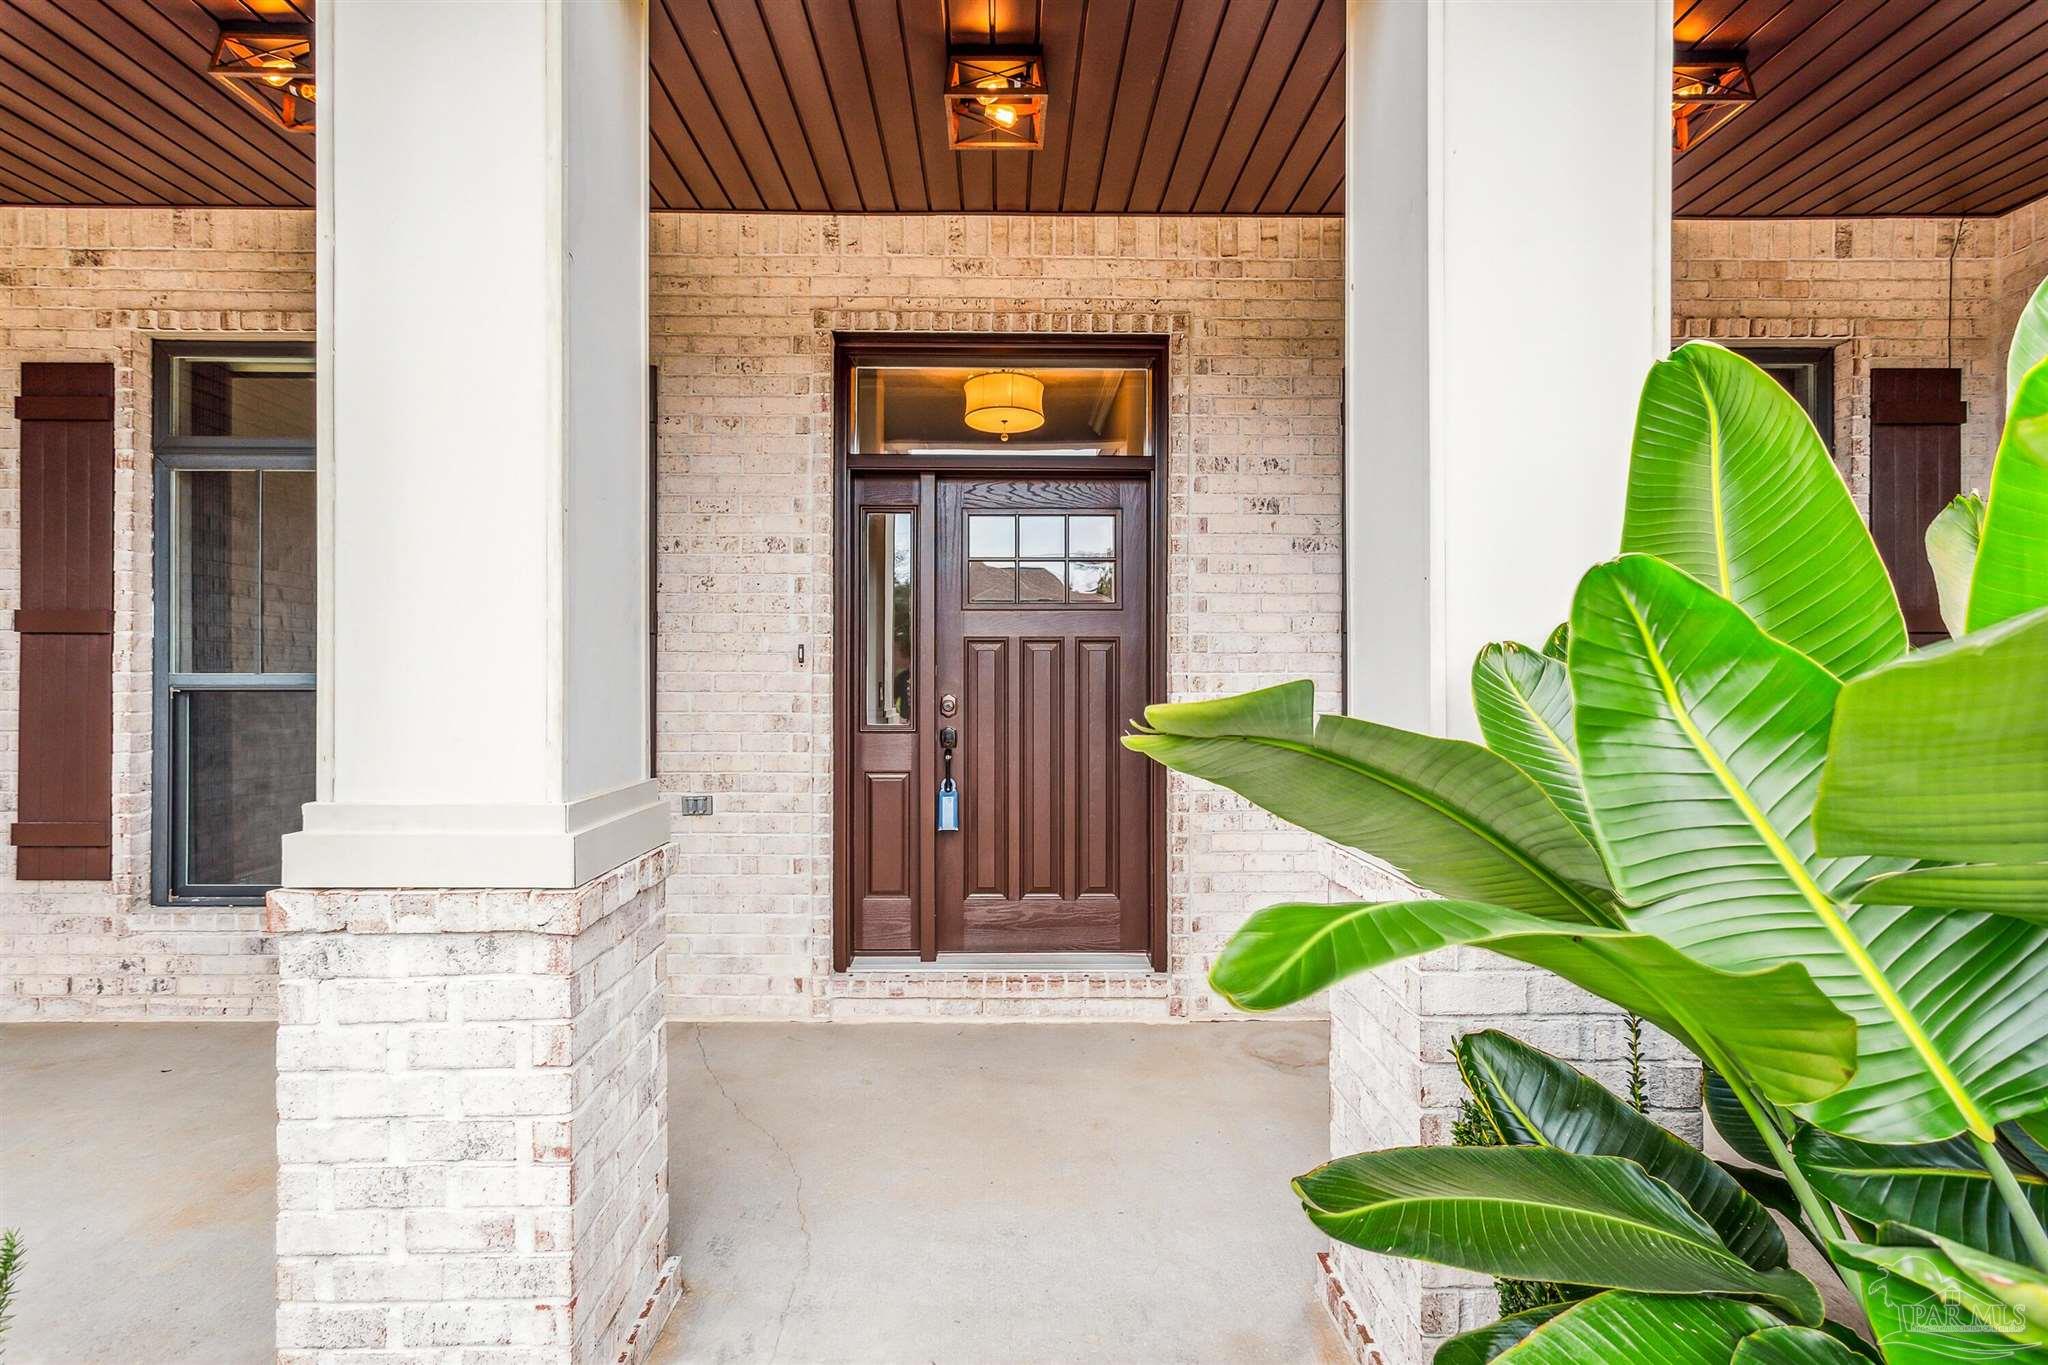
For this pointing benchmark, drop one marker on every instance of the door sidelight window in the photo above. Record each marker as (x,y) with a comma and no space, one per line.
(888,597)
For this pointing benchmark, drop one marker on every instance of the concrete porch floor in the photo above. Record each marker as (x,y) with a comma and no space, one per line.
(871,1192)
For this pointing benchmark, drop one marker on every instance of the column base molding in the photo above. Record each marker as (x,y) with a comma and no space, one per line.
(529,845)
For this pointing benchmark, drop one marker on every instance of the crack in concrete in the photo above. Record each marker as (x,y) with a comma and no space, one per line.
(796,1176)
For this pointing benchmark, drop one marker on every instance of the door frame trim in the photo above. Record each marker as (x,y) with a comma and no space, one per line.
(850,349)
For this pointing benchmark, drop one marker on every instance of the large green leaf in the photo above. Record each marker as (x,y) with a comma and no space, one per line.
(2011,574)
(1940,1188)
(1538,1100)
(1534,1213)
(1793,1346)
(1640,1329)
(1988,1316)
(1796,1045)
(1732,1121)
(1730,482)
(1524,703)
(1952,552)
(2021,1288)
(2016,889)
(1703,740)
(1485,1343)
(1914,1326)
(1451,816)
(1945,754)
(2029,341)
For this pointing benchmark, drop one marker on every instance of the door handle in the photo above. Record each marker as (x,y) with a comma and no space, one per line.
(947,814)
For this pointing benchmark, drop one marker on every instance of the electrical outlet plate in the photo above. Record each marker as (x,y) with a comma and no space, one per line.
(696,805)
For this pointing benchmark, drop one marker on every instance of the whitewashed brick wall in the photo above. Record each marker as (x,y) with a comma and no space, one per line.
(472,1139)
(744,308)
(98,285)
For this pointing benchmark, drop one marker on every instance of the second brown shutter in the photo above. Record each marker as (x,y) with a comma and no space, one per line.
(63,829)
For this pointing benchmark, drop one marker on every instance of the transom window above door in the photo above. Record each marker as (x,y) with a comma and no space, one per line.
(1034,559)
(1011,409)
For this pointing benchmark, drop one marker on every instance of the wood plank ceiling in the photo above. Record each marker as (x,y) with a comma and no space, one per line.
(1898,107)
(1866,109)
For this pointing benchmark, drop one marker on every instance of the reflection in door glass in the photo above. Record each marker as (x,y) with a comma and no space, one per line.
(887,600)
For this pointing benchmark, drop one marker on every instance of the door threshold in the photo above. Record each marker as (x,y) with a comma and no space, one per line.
(1134,963)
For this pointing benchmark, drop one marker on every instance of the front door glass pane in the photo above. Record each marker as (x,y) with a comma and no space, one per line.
(890,606)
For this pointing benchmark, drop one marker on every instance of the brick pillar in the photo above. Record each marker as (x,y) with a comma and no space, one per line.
(472,1135)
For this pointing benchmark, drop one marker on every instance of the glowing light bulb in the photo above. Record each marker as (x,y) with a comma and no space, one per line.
(1004,114)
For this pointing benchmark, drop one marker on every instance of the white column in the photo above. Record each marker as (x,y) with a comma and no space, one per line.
(1507,268)
(1507,264)
(483,370)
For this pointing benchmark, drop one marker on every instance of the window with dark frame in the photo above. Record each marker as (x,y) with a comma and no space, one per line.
(1805,372)
(236,611)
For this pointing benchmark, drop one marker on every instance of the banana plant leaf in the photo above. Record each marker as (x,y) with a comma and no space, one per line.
(2029,341)
(1558,642)
(1450,816)
(2020,1288)
(1537,1100)
(1730,482)
(2023,1145)
(1914,1327)
(1939,1188)
(1983,1313)
(1952,552)
(1774,1192)
(1732,1121)
(1534,1213)
(2016,889)
(1524,703)
(1703,740)
(1485,1343)
(2011,574)
(1797,1045)
(1619,1328)
(1794,1346)
(1945,755)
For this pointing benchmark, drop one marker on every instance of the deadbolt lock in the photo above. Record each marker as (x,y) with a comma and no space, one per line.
(948,704)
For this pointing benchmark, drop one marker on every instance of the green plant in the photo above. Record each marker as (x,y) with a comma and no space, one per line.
(1725,798)
(10,1272)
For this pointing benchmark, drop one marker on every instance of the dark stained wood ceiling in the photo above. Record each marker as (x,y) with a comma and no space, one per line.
(1157,106)
(1868,107)
(1871,108)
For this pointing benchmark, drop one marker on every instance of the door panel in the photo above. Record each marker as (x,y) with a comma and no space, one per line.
(1041,602)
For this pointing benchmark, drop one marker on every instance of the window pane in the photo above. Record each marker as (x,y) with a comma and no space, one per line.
(1043,536)
(890,606)
(991,537)
(290,598)
(922,410)
(216,607)
(1092,581)
(248,769)
(249,396)
(1091,535)
(991,582)
(1042,582)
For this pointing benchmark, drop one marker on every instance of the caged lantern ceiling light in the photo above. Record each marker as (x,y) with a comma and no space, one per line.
(995,99)
(277,57)
(1707,89)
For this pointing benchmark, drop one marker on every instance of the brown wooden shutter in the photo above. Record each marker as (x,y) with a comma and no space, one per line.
(66,621)
(1916,467)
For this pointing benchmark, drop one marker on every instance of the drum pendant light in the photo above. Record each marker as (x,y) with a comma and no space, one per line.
(1003,401)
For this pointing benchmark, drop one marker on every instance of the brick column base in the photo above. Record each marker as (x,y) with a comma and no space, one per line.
(472,1099)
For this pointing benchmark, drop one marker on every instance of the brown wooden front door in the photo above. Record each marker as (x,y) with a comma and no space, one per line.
(1013,611)
(1041,643)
